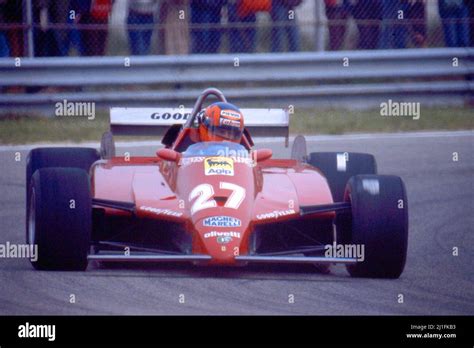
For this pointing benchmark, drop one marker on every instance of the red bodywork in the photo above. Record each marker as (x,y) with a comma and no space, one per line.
(273,185)
(274,190)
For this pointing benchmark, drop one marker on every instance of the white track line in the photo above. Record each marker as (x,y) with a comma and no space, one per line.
(310,138)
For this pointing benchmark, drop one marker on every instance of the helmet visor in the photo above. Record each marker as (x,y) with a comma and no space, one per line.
(231,132)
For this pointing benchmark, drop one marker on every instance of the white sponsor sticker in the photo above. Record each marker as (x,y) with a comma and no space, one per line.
(275,214)
(221,221)
(222,234)
(219,166)
(232,114)
(159,211)
(190,160)
(224,240)
(232,123)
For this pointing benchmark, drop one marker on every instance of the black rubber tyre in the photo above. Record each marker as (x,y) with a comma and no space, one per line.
(71,157)
(350,164)
(59,226)
(380,223)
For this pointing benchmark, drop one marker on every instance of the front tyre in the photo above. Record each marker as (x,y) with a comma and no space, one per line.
(59,218)
(379,223)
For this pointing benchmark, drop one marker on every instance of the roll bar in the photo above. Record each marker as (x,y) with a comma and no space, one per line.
(200,100)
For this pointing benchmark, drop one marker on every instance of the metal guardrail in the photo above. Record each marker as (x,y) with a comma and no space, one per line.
(344,78)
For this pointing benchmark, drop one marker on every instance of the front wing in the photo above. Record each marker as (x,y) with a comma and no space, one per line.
(140,254)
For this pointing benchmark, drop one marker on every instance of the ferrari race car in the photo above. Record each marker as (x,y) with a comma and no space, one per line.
(213,203)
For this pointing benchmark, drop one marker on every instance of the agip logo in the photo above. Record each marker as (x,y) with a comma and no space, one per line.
(219,166)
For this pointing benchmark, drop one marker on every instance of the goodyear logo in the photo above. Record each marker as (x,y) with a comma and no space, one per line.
(221,221)
(219,166)
(275,214)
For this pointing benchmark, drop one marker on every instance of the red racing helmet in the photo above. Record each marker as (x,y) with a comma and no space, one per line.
(221,122)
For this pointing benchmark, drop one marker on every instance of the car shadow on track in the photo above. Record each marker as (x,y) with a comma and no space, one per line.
(252,272)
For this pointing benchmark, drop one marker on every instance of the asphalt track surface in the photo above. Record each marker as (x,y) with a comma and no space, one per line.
(441,211)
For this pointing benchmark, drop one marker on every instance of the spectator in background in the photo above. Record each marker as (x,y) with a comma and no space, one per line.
(242,14)
(284,24)
(454,17)
(205,18)
(4,46)
(93,18)
(174,34)
(74,33)
(417,22)
(337,13)
(393,33)
(470,8)
(13,15)
(140,25)
(402,20)
(50,31)
(367,14)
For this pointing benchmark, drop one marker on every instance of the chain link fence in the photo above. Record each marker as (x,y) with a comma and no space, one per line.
(180,27)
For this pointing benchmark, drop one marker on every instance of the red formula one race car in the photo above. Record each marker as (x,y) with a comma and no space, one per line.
(213,202)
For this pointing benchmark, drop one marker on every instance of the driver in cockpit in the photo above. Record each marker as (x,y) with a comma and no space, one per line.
(221,122)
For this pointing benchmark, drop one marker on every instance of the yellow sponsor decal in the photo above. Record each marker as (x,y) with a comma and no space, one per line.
(219,166)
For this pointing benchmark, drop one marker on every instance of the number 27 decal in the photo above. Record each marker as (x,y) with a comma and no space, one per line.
(204,196)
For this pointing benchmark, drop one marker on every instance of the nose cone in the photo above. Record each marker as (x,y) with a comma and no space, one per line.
(219,193)
(222,237)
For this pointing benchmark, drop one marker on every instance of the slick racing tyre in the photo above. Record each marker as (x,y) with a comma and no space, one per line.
(379,223)
(339,167)
(73,157)
(70,157)
(59,218)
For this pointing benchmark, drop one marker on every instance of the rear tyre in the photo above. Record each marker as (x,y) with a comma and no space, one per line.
(339,167)
(59,218)
(379,223)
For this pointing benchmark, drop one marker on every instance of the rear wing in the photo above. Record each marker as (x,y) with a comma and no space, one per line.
(156,121)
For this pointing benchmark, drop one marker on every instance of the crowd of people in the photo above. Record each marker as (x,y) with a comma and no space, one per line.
(199,26)
(389,24)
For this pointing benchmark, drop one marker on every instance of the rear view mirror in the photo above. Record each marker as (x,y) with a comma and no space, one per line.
(263,154)
(168,155)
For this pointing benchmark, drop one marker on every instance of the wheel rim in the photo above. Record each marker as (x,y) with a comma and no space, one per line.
(32,219)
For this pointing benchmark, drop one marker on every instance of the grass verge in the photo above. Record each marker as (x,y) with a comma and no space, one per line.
(18,129)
